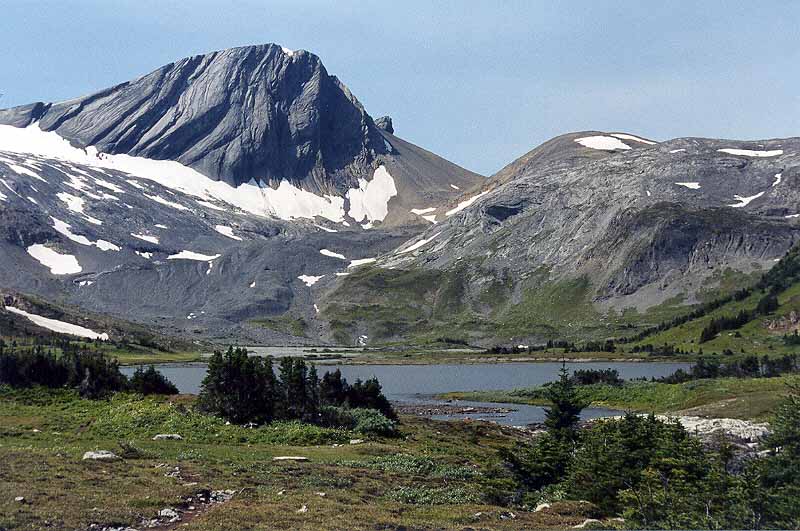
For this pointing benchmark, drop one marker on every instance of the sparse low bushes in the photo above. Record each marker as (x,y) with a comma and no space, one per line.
(366,421)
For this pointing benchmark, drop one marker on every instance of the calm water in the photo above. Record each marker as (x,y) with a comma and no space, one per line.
(418,383)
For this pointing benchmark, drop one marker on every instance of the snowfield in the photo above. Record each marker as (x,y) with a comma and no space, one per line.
(286,201)
(59,264)
(752,152)
(464,204)
(605,143)
(370,201)
(744,201)
(65,229)
(310,280)
(419,244)
(145,237)
(692,185)
(361,261)
(227,231)
(327,252)
(58,326)
(191,255)
(625,136)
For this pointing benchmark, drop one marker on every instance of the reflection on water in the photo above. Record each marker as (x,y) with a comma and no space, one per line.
(418,383)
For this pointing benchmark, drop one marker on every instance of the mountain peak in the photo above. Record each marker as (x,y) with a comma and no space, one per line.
(260,112)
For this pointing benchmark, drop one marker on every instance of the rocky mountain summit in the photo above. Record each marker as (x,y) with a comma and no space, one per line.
(591,231)
(209,194)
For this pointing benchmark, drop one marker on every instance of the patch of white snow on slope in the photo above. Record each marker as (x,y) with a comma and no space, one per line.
(605,143)
(752,152)
(777,179)
(212,206)
(327,252)
(145,237)
(286,202)
(145,255)
(744,201)
(310,280)
(419,244)
(227,231)
(693,186)
(59,264)
(464,204)
(790,216)
(370,200)
(58,326)
(420,211)
(64,229)
(22,170)
(677,150)
(326,229)
(191,255)
(454,187)
(625,136)
(361,261)
(167,202)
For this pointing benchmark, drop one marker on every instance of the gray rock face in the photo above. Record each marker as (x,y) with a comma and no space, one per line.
(385,123)
(256,112)
(629,227)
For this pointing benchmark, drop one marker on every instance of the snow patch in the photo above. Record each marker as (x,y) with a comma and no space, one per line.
(777,179)
(677,150)
(146,237)
(454,187)
(212,206)
(145,255)
(361,261)
(602,142)
(58,326)
(370,200)
(227,231)
(464,204)
(790,216)
(64,228)
(625,136)
(73,202)
(421,211)
(693,186)
(191,255)
(326,229)
(159,199)
(419,244)
(752,152)
(286,202)
(744,201)
(59,264)
(326,252)
(310,280)
(25,171)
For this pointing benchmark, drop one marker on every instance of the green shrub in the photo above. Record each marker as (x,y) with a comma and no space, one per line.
(364,421)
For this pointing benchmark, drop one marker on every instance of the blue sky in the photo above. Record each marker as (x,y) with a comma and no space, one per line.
(477,82)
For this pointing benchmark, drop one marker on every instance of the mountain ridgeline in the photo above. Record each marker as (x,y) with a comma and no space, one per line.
(246,194)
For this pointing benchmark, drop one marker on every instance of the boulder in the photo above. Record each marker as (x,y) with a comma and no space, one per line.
(167,437)
(100,455)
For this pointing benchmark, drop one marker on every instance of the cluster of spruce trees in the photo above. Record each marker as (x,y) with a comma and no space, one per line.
(655,474)
(91,373)
(244,389)
(746,367)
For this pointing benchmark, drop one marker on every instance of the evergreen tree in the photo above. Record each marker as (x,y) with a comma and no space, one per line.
(561,419)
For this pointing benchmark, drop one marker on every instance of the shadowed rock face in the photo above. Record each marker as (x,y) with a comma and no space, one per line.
(257,112)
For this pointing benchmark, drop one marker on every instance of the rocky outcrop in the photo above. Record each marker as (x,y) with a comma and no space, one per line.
(385,123)
(255,112)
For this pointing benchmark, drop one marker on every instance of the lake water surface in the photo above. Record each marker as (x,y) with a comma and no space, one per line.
(419,383)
